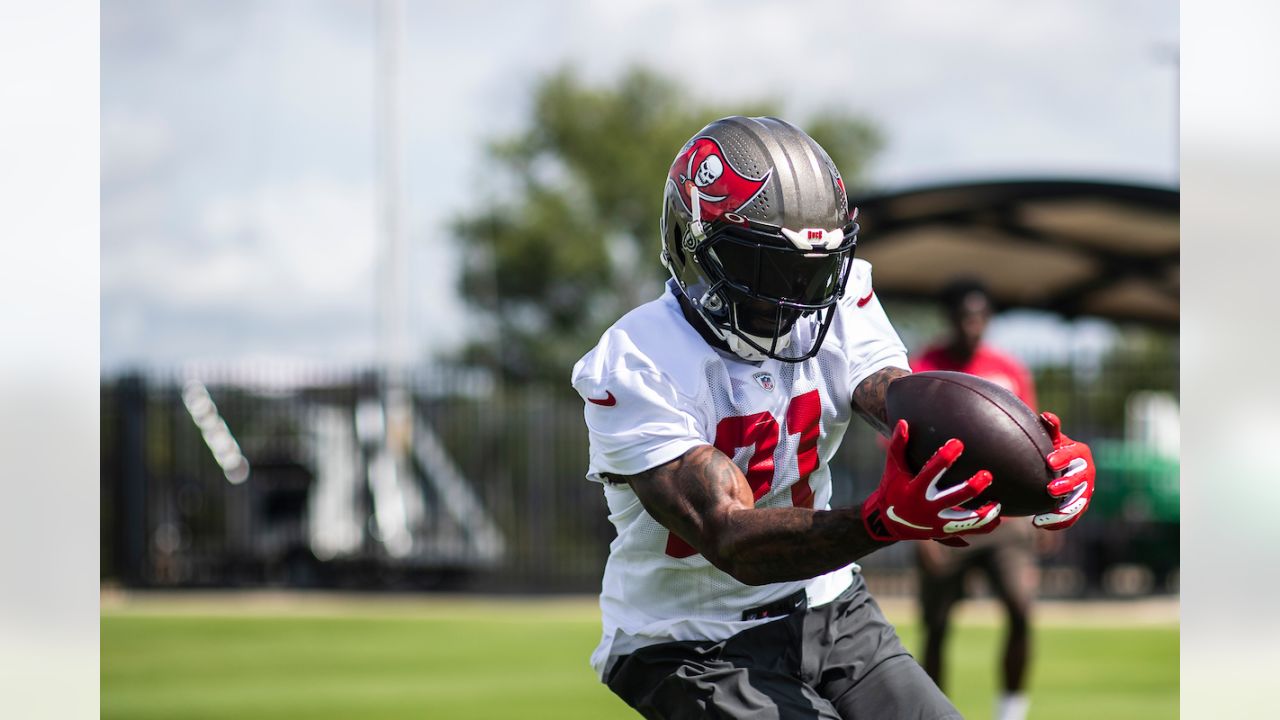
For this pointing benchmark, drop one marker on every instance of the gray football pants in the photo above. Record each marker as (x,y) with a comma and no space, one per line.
(839,660)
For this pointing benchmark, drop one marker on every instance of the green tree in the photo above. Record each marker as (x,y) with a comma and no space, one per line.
(575,243)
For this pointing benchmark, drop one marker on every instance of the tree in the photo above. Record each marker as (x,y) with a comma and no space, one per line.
(576,244)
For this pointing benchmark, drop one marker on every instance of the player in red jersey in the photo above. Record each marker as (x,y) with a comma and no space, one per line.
(1006,556)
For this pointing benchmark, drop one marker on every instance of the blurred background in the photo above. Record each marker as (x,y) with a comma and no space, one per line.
(350,251)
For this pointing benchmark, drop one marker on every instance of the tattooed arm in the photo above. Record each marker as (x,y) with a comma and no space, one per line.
(868,397)
(705,499)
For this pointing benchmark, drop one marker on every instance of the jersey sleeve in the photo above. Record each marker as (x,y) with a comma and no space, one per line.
(863,329)
(636,420)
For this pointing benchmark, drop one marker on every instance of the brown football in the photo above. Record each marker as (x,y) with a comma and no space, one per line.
(1000,434)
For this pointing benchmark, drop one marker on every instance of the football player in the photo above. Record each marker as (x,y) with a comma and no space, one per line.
(1006,557)
(731,589)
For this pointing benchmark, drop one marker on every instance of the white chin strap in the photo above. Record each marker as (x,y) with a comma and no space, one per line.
(735,343)
(745,351)
(742,349)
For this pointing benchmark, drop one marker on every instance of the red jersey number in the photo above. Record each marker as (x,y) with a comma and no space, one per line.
(761,432)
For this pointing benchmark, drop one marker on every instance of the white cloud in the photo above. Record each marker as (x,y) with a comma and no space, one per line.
(238,138)
(264,260)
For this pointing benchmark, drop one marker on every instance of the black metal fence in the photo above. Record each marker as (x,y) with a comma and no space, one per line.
(178,510)
(172,516)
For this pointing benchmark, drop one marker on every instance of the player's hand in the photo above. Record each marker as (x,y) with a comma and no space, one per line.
(1074,486)
(910,506)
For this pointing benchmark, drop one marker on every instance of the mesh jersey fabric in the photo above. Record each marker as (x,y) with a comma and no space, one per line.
(653,390)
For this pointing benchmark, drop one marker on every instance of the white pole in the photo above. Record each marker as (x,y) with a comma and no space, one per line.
(394,281)
(398,507)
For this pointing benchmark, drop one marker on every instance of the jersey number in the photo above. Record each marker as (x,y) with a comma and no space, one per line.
(761,432)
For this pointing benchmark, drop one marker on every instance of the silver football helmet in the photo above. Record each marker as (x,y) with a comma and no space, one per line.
(757,233)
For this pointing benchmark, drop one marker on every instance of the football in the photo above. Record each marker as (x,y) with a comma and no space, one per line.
(1000,434)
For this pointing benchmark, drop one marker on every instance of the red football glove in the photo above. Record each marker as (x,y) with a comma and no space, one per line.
(910,506)
(1074,460)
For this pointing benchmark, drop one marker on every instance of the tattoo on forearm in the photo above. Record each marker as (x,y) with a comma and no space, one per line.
(705,499)
(782,544)
(869,398)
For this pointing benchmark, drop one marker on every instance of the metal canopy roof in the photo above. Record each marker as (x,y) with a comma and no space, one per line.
(1070,247)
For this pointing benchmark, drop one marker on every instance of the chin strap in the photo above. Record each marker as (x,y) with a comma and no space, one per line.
(736,344)
(744,350)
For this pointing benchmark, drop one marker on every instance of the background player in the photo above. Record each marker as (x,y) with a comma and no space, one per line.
(1006,556)
(713,411)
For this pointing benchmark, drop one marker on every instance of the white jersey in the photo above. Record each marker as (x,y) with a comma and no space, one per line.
(654,389)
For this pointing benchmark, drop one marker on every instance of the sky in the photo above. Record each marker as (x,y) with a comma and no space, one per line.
(238,154)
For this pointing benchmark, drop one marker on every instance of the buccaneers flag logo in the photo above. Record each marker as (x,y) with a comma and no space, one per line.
(702,171)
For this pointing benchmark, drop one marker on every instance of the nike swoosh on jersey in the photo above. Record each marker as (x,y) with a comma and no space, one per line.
(867,299)
(894,517)
(608,400)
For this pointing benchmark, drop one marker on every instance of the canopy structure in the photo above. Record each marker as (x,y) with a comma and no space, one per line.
(1070,247)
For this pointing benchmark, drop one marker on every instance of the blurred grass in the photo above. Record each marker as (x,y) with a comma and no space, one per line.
(530,662)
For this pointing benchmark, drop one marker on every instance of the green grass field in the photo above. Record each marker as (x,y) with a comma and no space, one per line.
(525,660)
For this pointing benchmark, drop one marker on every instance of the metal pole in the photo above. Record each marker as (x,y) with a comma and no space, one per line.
(392,471)
(394,281)
(131,516)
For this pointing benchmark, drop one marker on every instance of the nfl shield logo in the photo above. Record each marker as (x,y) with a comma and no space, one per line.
(765,380)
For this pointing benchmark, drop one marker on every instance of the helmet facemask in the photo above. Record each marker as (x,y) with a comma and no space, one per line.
(757,285)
